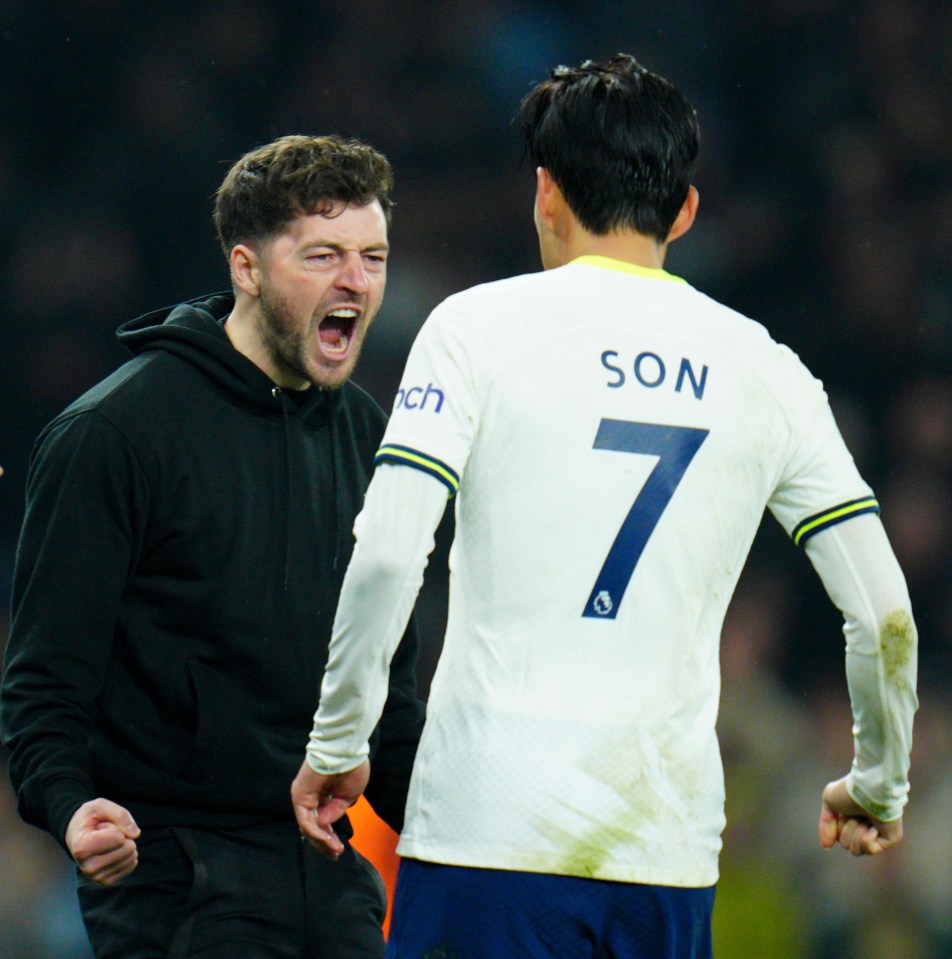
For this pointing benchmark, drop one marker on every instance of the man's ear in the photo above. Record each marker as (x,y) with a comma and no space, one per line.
(685,218)
(548,196)
(245,269)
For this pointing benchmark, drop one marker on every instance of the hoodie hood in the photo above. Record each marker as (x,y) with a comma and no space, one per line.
(195,331)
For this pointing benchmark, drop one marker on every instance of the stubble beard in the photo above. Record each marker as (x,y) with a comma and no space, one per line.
(289,347)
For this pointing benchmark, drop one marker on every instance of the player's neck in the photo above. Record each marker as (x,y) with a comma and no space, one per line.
(624,245)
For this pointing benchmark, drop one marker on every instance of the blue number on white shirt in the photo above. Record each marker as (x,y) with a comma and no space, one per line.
(675,447)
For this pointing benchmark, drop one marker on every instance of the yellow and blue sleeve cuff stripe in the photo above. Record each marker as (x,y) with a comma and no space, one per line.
(427,464)
(830,517)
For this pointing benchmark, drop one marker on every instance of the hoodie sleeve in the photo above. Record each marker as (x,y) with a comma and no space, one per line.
(85,498)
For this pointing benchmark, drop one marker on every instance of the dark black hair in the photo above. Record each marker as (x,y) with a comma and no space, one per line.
(272,184)
(620,142)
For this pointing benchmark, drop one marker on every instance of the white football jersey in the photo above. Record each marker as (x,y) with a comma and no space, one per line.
(614,437)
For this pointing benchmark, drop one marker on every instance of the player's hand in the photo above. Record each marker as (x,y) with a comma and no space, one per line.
(319,801)
(101,839)
(844,821)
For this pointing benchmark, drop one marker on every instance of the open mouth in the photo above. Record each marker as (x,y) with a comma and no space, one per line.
(336,331)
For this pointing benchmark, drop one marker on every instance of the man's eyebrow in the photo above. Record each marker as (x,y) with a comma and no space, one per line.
(382,246)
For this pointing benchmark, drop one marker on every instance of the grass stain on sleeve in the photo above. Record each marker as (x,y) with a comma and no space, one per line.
(897,637)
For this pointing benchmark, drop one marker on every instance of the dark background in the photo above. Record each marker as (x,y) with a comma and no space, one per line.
(826,214)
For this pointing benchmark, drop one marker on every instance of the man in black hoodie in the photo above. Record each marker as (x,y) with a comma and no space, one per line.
(187,529)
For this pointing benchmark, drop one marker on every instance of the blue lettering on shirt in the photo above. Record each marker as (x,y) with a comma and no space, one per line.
(650,371)
(421,398)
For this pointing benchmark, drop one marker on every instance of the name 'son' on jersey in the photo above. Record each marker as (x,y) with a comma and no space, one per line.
(650,371)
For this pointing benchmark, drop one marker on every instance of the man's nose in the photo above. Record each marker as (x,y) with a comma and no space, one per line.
(353,275)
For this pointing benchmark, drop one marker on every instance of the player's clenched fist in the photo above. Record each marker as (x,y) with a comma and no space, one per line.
(844,821)
(101,839)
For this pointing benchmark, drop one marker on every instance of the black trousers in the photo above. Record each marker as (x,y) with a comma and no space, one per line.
(251,893)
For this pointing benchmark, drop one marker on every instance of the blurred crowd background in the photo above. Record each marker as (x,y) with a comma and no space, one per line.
(826,214)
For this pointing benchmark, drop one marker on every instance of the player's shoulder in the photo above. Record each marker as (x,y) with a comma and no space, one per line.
(746,338)
(499,290)
(725,319)
(778,372)
(474,315)
(510,302)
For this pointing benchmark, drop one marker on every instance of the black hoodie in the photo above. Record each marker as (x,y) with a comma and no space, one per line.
(187,529)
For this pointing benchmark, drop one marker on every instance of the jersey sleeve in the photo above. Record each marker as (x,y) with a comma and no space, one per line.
(819,485)
(862,577)
(430,430)
(434,417)
(394,536)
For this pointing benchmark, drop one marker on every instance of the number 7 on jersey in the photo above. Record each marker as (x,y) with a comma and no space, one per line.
(675,447)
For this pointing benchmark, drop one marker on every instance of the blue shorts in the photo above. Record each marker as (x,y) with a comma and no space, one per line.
(457,912)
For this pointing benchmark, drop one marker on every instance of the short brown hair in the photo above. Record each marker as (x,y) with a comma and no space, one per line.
(294,175)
